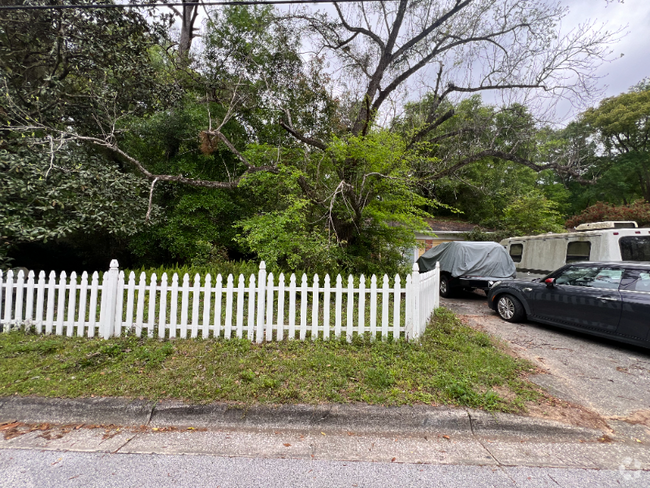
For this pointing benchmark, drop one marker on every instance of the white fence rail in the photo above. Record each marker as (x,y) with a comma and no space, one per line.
(260,308)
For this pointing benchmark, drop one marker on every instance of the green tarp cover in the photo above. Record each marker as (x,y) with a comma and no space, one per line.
(460,258)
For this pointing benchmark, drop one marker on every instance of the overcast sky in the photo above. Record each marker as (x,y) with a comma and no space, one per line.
(624,72)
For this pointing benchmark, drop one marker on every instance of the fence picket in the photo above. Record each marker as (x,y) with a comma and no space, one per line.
(9,295)
(207,294)
(292,307)
(385,294)
(139,314)
(130,298)
(196,292)
(373,307)
(218,298)
(29,307)
(241,288)
(40,299)
(314,309)
(350,310)
(173,307)
(83,299)
(261,283)
(280,334)
(362,305)
(303,307)
(229,292)
(92,307)
(397,300)
(20,289)
(117,325)
(51,287)
(151,322)
(60,303)
(326,308)
(252,291)
(185,297)
(337,305)
(269,307)
(72,302)
(162,315)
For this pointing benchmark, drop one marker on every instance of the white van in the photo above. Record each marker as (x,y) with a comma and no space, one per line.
(537,256)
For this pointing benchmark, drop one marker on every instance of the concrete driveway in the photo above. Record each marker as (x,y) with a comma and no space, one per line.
(602,377)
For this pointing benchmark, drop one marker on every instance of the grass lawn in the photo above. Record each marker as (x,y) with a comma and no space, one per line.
(451,365)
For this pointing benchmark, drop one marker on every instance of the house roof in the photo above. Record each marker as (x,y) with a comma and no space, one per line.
(444,225)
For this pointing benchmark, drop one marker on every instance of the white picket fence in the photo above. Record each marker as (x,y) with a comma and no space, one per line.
(259,310)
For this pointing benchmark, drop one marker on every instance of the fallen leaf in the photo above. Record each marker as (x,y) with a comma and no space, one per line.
(323,433)
(286,445)
(393,460)
(445,437)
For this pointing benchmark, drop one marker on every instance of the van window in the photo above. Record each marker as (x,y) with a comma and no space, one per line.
(578,251)
(516,251)
(635,248)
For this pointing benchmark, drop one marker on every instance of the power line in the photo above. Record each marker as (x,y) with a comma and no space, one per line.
(177,4)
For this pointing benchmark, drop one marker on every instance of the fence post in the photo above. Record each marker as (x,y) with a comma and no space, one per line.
(261,296)
(107,315)
(436,292)
(412,329)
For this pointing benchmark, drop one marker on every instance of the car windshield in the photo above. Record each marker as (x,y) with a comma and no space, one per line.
(635,248)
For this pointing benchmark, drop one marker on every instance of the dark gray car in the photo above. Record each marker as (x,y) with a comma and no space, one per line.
(607,299)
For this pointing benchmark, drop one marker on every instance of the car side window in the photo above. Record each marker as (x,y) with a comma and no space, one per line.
(636,280)
(578,276)
(608,278)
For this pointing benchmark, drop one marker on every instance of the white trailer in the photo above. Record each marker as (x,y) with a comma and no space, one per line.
(537,256)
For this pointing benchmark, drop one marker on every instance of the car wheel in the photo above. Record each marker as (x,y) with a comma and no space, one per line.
(510,309)
(445,287)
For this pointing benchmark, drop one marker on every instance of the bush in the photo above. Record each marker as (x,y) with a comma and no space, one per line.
(638,211)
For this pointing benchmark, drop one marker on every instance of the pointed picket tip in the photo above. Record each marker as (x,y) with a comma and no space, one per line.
(73,275)
(186,279)
(30,275)
(52,274)
(153,278)
(42,274)
(84,275)
(143,276)
(164,277)
(114,264)
(175,278)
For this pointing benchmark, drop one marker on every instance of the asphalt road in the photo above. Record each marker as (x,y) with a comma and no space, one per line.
(607,378)
(32,468)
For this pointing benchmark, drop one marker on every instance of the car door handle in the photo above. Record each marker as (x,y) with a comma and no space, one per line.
(609,299)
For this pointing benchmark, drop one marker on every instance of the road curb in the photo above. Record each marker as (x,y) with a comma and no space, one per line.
(424,420)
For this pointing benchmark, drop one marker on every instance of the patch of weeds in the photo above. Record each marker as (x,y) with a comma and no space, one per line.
(379,378)
(247,376)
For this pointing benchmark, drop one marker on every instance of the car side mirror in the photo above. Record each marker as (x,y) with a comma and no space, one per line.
(550,282)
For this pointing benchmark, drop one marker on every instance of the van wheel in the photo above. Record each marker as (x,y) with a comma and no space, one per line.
(445,288)
(510,309)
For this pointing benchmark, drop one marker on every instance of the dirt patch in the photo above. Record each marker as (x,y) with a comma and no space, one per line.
(640,417)
(551,408)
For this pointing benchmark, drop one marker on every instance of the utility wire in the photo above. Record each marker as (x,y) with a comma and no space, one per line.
(176,4)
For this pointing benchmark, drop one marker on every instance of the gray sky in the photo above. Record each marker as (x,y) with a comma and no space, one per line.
(622,73)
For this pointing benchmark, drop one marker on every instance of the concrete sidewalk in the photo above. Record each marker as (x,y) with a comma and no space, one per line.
(418,434)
